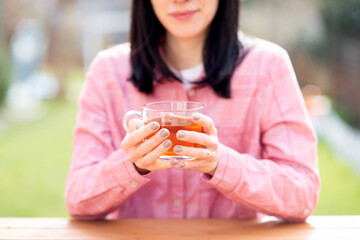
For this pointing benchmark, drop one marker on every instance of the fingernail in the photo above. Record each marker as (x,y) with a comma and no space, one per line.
(155,126)
(173,162)
(181,134)
(139,125)
(178,149)
(182,164)
(196,117)
(167,144)
(163,133)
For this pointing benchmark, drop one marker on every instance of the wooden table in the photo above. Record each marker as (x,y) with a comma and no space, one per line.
(316,227)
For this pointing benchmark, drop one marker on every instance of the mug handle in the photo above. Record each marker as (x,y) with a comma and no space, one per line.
(127,115)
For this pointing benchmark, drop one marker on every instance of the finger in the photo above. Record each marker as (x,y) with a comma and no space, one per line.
(198,153)
(135,124)
(163,164)
(206,122)
(140,134)
(174,119)
(196,137)
(150,159)
(152,142)
(188,164)
(168,116)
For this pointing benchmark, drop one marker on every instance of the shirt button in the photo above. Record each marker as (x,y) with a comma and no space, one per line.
(191,93)
(134,184)
(306,212)
(177,202)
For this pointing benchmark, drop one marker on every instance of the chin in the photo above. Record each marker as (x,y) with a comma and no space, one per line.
(185,32)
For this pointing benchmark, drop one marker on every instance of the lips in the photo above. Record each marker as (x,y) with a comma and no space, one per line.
(184,15)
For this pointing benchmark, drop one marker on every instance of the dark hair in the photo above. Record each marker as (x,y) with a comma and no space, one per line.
(221,54)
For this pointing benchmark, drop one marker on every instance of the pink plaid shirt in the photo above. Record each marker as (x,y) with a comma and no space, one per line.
(268,162)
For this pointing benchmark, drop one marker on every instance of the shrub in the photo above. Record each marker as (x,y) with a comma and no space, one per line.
(341,17)
(4,74)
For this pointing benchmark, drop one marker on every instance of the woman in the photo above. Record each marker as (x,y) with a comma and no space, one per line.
(260,151)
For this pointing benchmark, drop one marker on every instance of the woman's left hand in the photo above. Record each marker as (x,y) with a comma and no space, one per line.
(207,158)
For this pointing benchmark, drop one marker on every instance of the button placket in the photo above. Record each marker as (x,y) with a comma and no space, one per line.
(191,93)
(177,193)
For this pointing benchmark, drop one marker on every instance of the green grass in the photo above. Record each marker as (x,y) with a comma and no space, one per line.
(34,160)
(35,157)
(340,186)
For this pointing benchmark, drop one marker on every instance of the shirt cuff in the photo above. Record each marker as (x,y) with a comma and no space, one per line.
(229,172)
(126,174)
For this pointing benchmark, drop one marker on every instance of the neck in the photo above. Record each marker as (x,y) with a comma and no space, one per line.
(183,53)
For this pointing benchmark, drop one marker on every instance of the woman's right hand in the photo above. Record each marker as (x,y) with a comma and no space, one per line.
(144,154)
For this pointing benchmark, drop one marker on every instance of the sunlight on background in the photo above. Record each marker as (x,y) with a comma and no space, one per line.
(46,47)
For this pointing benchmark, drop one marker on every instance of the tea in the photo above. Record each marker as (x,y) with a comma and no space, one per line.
(174,125)
(173,115)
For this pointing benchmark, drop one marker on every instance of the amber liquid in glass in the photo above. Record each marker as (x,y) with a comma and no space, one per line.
(174,125)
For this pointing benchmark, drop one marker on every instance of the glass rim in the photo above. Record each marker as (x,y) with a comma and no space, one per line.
(198,107)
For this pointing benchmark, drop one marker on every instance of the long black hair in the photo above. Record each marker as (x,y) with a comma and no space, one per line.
(222,50)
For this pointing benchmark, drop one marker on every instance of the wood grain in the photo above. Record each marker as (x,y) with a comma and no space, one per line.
(316,227)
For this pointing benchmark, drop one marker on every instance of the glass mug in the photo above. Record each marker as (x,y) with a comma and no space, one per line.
(174,116)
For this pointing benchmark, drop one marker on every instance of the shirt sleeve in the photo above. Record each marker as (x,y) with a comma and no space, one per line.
(285,181)
(100,176)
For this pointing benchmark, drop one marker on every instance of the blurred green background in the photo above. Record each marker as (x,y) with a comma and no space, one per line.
(321,36)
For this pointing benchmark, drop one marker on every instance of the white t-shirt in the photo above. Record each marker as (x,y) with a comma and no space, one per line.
(189,75)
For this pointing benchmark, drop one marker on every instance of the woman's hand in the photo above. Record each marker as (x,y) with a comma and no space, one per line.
(144,154)
(207,158)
